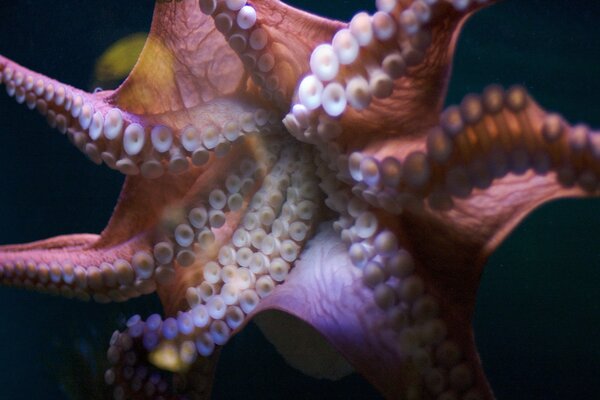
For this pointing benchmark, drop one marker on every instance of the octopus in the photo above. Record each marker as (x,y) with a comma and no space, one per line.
(303,173)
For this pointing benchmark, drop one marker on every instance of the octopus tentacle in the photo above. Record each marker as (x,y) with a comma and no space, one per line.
(489,143)
(387,326)
(68,109)
(272,58)
(116,274)
(426,328)
(136,143)
(485,139)
(377,63)
(133,376)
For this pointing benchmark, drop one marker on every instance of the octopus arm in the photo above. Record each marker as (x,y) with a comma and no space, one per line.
(328,293)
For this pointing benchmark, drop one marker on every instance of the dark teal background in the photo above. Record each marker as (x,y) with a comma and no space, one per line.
(537,322)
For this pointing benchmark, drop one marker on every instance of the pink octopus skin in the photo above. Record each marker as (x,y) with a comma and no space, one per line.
(591,226)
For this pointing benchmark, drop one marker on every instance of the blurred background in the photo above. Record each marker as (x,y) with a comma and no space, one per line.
(537,321)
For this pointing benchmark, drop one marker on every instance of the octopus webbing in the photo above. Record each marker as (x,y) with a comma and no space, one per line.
(369,208)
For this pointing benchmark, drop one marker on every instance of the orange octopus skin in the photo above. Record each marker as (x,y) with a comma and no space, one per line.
(461,244)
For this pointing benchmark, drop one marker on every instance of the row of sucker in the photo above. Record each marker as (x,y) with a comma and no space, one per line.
(138,379)
(118,280)
(126,142)
(484,138)
(435,361)
(192,230)
(276,222)
(386,43)
(136,375)
(237,21)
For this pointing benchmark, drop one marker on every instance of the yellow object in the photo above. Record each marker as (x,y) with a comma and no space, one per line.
(166,357)
(118,60)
